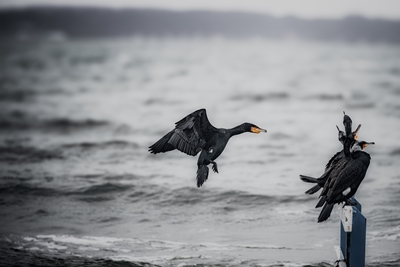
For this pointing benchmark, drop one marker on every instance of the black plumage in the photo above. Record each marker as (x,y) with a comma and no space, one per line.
(194,134)
(346,139)
(344,179)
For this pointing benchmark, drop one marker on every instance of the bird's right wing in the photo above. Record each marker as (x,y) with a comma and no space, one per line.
(189,136)
(351,174)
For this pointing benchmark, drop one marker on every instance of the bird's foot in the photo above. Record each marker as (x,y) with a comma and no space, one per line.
(214,166)
(349,202)
(337,262)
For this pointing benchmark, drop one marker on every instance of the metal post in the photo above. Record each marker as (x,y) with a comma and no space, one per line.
(353,228)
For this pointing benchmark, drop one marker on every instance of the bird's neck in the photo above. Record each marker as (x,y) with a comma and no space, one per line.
(236,130)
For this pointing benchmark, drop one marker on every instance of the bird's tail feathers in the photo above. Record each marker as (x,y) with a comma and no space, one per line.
(202,174)
(309,179)
(321,202)
(325,212)
(162,145)
(313,189)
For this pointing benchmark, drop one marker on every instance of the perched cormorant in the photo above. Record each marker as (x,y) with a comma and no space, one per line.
(193,134)
(344,179)
(347,140)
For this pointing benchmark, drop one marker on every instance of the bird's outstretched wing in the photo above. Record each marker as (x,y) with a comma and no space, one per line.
(189,136)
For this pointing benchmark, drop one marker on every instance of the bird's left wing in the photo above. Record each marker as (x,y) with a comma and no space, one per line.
(192,133)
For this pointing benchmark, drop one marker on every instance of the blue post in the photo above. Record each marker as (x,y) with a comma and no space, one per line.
(352,239)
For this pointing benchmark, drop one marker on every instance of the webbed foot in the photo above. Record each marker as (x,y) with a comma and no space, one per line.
(214,166)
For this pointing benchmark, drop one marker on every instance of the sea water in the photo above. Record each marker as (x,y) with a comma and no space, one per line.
(78,186)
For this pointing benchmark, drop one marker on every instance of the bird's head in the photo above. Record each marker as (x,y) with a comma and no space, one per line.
(341,135)
(249,127)
(360,145)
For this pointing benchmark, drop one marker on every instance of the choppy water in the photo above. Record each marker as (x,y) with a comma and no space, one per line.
(78,187)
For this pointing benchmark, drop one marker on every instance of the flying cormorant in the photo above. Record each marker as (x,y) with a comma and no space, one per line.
(347,140)
(193,134)
(344,179)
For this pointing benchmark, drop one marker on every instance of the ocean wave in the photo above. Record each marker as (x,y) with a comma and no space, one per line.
(87,59)
(68,250)
(93,193)
(392,263)
(361,105)
(25,154)
(19,120)
(160,101)
(96,199)
(395,152)
(16,95)
(113,144)
(32,257)
(229,200)
(327,97)
(26,189)
(110,152)
(261,97)
(105,188)
(29,63)
(280,136)
(66,123)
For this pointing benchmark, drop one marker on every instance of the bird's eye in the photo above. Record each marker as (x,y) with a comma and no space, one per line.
(211,150)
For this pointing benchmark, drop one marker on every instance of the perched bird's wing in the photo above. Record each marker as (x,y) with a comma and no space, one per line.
(189,136)
(330,178)
(349,176)
(333,160)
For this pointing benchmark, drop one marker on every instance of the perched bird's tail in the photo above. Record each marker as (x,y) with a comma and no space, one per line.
(321,202)
(309,179)
(202,174)
(313,189)
(162,145)
(325,212)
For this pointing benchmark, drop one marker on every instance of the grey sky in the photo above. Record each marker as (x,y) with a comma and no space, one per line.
(303,8)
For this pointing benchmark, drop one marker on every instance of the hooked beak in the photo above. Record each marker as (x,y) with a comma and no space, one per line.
(257,130)
(365,144)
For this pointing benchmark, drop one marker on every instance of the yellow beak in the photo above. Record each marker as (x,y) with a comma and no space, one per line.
(257,130)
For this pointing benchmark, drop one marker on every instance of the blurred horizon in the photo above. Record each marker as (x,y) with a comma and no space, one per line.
(306,9)
(78,22)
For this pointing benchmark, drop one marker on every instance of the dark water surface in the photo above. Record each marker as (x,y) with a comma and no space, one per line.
(79,188)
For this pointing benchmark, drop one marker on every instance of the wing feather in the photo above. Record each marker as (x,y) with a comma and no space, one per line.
(346,178)
(189,136)
(162,145)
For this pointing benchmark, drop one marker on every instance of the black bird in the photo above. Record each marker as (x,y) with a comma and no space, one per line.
(346,140)
(349,136)
(193,134)
(344,180)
